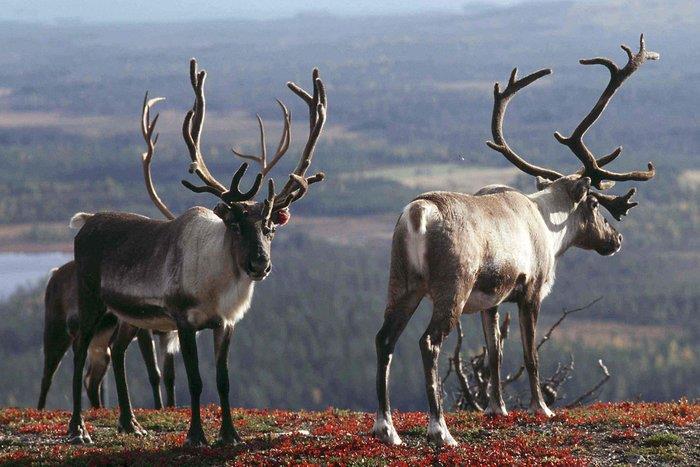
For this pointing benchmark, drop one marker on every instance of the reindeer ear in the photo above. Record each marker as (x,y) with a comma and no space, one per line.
(281,217)
(221,210)
(580,189)
(543,183)
(592,202)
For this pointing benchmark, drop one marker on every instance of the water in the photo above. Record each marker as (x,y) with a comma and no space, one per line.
(26,269)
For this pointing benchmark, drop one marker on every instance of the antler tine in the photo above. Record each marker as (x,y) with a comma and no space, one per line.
(592,167)
(604,185)
(197,79)
(500,103)
(262,158)
(285,139)
(147,129)
(192,130)
(297,185)
(234,194)
(268,204)
(618,206)
(282,146)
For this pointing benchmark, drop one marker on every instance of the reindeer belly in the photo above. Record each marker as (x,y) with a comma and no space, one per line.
(479,301)
(140,312)
(153,318)
(494,284)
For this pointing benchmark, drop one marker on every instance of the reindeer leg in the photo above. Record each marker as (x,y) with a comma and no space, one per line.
(222,339)
(148,352)
(56,343)
(99,356)
(492,333)
(446,312)
(91,310)
(528,320)
(398,312)
(127,419)
(188,346)
(96,368)
(168,367)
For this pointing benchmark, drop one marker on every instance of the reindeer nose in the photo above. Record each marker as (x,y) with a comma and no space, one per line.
(259,264)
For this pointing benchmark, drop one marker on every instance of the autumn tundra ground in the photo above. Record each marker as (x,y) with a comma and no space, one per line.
(600,434)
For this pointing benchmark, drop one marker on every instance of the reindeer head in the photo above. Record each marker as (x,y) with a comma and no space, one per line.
(251,225)
(593,231)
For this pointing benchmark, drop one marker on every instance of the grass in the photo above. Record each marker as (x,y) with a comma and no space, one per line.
(604,434)
(662,439)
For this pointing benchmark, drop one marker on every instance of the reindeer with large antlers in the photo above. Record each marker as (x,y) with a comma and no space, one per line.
(194,272)
(111,334)
(471,253)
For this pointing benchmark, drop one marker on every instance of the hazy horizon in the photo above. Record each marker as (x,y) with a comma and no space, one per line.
(133,11)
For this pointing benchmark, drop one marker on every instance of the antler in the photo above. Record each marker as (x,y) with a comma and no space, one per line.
(281,147)
(147,129)
(298,184)
(600,178)
(500,103)
(618,206)
(592,167)
(268,205)
(192,131)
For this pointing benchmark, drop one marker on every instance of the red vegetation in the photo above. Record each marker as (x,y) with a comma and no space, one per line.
(338,437)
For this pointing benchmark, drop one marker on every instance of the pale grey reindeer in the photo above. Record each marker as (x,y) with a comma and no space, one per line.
(470,253)
(194,272)
(111,335)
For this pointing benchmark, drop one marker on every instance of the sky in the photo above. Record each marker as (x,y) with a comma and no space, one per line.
(184,10)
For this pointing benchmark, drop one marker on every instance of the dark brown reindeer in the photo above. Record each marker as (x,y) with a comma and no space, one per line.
(471,253)
(191,273)
(61,315)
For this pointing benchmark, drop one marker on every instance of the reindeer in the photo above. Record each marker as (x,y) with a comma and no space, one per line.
(61,314)
(194,272)
(471,253)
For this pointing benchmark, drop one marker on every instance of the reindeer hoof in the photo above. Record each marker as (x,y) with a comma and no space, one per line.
(78,434)
(385,432)
(540,408)
(442,439)
(80,439)
(194,442)
(496,411)
(196,438)
(229,439)
(439,435)
(131,426)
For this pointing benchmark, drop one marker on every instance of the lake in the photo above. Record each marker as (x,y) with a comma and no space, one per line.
(23,269)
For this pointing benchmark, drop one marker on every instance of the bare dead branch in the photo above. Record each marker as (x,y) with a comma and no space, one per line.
(591,392)
(468,399)
(564,314)
(513,377)
(550,387)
